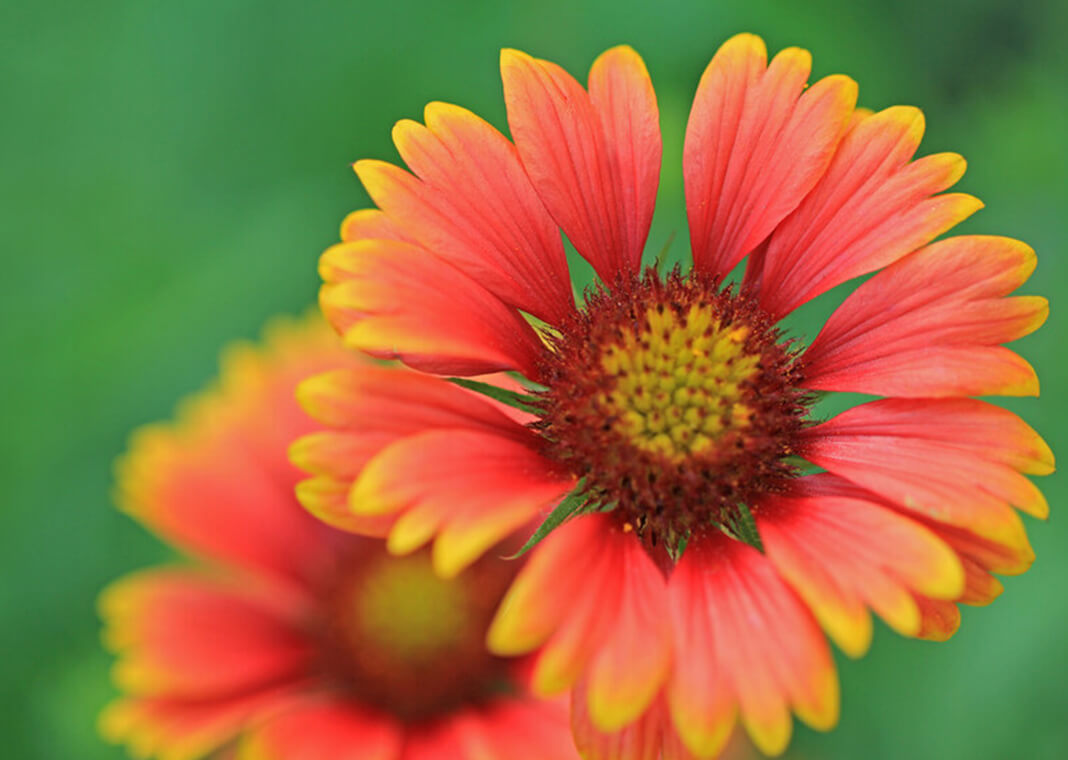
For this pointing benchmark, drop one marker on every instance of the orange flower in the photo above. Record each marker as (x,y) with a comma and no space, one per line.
(289,639)
(686,588)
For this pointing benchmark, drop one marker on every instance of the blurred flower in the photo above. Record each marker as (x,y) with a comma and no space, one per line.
(695,553)
(291,640)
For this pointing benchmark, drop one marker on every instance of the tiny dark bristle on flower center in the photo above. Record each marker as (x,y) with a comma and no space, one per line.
(675,400)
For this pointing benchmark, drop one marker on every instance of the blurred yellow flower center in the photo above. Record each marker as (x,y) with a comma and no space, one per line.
(678,381)
(403,639)
(405,609)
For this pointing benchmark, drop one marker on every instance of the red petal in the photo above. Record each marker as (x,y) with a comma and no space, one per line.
(469,488)
(955,461)
(641,740)
(594,601)
(980,586)
(939,619)
(704,705)
(972,550)
(989,555)
(594,158)
(870,208)
(386,403)
(433,740)
(328,500)
(935,371)
(756,142)
(674,748)
(180,634)
(930,324)
(339,454)
(633,659)
(317,730)
(623,97)
(369,223)
(843,553)
(532,610)
(184,730)
(756,646)
(375,407)
(473,206)
(396,300)
(519,729)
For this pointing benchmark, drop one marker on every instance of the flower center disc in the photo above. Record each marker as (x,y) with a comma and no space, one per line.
(412,643)
(679,382)
(675,400)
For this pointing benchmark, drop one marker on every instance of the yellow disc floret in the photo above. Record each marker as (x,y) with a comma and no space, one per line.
(679,381)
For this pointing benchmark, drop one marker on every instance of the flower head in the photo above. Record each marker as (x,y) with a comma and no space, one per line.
(290,639)
(691,551)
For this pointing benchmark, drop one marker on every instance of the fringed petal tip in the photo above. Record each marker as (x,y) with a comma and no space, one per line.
(382,420)
(757,141)
(327,500)
(515,483)
(932,325)
(958,462)
(584,555)
(469,202)
(873,206)
(153,622)
(731,610)
(393,299)
(843,551)
(634,658)
(593,156)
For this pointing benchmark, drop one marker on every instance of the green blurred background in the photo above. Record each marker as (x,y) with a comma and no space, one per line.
(172,171)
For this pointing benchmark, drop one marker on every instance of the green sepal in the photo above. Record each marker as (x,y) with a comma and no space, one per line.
(800,464)
(676,550)
(744,528)
(516,400)
(572,504)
